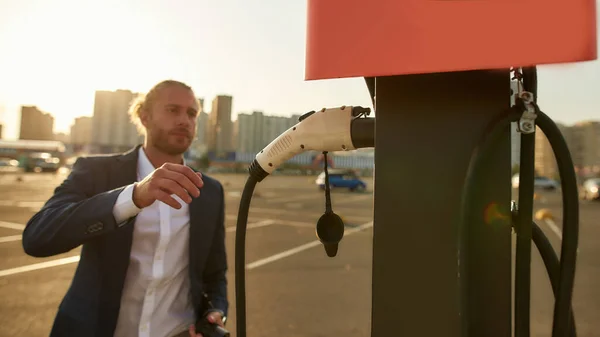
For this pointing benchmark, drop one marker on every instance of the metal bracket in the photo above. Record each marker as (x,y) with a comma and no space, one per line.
(527,122)
(514,211)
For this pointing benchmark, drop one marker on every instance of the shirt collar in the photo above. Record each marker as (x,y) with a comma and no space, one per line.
(145,167)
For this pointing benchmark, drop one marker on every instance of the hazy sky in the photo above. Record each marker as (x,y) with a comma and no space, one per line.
(55,53)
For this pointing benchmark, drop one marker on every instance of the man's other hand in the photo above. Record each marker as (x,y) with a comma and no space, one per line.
(165,181)
(213,317)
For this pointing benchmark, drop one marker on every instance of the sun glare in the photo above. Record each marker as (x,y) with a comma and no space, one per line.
(60,52)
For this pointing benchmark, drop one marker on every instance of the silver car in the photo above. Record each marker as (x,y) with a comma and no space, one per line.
(539,182)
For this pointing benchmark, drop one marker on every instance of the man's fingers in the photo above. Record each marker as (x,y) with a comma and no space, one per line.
(167,199)
(193,333)
(184,181)
(173,187)
(187,171)
(215,317)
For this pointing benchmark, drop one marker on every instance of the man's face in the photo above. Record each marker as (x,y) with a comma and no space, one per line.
(171,123)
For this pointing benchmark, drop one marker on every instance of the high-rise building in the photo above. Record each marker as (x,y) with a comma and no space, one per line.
(36,124)
(545,161)
(200,104)
(112,129)
(219,131)
(255,131)
(588,155)
(199,147)
(81,132)
(583,141)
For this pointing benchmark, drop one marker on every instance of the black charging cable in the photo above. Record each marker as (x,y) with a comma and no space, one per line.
(493,133)
(561,273)
(563,318)
(562,323)
(257,174)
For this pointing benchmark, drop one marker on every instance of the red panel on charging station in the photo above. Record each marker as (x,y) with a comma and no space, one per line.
(352,38)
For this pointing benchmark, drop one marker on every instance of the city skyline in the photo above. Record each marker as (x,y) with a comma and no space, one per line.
(257,57)
(63,125)
(67,123)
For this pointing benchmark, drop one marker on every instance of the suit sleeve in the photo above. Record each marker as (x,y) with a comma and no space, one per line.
(73,215)
(215,273)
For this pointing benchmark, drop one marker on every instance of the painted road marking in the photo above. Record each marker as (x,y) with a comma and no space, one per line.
(28,204)
(257,224)
(553,227)
(12,225)
(73,259)
(256,264)
(10,238)
(301,248)
(40,265)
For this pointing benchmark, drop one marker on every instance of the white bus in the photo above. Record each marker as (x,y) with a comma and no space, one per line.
(27,152)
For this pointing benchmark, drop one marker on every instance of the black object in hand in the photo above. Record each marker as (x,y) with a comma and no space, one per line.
(208,329)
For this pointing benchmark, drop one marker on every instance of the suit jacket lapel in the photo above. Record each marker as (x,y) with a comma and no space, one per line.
(125,170)
(121,171)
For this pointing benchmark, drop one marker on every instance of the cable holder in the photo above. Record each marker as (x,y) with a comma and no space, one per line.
(526,123)
(514,210)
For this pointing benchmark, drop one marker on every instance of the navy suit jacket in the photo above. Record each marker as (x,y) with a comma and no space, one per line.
(80,213)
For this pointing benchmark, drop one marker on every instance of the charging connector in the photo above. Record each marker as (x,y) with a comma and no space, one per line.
(337,129)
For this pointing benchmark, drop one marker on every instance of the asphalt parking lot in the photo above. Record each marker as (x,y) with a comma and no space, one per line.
(294,289)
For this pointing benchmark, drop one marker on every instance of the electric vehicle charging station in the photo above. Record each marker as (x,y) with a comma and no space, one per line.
(438,74)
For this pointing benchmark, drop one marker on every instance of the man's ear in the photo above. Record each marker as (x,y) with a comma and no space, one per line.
(144,118)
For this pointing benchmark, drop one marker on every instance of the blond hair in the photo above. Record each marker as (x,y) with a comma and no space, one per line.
(143,102)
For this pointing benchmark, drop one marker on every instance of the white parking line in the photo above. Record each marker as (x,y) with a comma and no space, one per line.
(40,265)
(352,199)
(257,224)
(301,248)
(10,238)
(554,227)
(25,204)
(12,225)
(73,259)
(289,199)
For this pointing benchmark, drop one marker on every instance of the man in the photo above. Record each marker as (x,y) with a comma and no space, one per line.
(151,229)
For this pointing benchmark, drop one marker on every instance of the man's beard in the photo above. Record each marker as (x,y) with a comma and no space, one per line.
(161,141)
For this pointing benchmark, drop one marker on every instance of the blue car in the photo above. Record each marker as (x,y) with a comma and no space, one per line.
(341,178)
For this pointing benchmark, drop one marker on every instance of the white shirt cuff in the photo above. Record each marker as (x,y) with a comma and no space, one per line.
(124,207)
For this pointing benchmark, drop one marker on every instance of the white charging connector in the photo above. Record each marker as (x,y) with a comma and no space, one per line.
(323,130)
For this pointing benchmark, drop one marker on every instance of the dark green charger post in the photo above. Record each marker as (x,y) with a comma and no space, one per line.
(427,127)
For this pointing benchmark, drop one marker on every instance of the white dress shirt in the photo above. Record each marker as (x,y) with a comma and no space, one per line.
(156,299)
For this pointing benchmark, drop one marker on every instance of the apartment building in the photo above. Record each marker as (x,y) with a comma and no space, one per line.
(36,124)
(112,129)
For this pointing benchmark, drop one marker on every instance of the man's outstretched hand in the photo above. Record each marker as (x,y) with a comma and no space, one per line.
(213,317)
(165,181)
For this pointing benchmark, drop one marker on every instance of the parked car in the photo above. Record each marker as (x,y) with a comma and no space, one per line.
(538,182)
(41,162)
(341,178)
(8,164)
(591,189)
